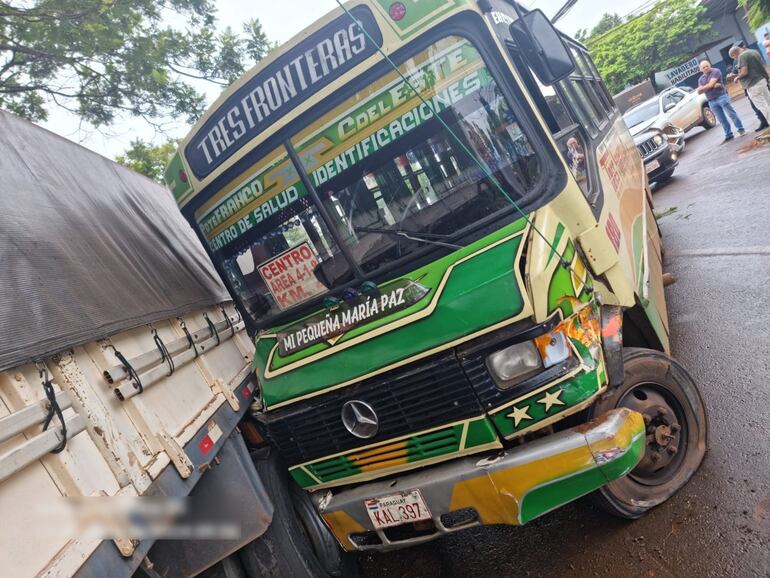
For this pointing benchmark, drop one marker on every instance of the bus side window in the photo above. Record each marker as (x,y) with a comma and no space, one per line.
(547,100)
(573,148)
(577,101)
(563,114)
(569,137)
(555,104)
(601,88)
(586,91)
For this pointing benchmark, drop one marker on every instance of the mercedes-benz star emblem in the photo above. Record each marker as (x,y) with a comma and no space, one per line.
(359,419)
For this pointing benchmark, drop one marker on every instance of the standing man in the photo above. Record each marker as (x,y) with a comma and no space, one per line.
(753,77)
(763,124)
(710,83)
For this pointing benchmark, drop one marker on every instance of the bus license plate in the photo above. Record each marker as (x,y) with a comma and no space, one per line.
(652,165)
(397,509)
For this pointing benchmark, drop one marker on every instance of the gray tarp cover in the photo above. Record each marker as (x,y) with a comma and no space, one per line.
(88,248)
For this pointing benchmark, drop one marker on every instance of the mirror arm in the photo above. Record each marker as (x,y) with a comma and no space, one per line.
(520,17)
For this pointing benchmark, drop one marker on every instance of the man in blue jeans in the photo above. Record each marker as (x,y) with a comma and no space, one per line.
(710,83)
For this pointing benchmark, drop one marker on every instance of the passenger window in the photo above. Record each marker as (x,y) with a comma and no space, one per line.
(601,88)
(555,104)
(573,148)
(581,64)
(578,102)
(592,99)
(590,88)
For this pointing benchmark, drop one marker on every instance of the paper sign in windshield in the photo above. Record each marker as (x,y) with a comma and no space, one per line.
(290,277)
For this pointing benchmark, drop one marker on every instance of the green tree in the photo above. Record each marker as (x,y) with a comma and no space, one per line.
(663,37)
(148,159)
(606,23)
(757,11)
(101,58)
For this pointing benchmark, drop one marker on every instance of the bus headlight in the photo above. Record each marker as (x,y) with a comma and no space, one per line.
(514,364)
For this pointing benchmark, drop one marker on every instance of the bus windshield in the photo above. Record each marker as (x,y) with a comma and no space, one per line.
(392,177)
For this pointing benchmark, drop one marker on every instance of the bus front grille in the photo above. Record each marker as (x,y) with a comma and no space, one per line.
(420,396)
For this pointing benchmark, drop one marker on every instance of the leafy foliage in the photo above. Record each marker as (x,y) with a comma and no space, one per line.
(757,11)
(606,23)
(100,58)
(654,41)
(148,159)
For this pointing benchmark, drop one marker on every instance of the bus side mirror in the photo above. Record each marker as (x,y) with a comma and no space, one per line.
(542,47)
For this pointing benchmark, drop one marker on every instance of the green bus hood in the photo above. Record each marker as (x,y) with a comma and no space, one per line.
(474,290)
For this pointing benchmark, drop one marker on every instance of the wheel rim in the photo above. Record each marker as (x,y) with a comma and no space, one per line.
(666,432)
(710,118)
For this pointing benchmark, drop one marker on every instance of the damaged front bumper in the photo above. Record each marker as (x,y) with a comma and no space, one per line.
(512,487)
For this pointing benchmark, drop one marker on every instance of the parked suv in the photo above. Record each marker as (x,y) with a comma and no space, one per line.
(660,156)
(659,125)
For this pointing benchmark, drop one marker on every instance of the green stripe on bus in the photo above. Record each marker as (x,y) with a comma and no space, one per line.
(480,432)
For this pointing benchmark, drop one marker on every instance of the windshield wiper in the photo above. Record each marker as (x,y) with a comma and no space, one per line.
(428,238)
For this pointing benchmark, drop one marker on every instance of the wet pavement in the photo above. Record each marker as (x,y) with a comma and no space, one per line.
(716,232)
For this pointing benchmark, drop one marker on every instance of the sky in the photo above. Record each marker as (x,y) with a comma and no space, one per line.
(281,20)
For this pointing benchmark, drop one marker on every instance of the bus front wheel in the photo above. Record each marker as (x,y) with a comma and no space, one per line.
(659,388)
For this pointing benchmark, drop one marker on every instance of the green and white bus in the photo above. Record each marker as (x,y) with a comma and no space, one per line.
(439,232)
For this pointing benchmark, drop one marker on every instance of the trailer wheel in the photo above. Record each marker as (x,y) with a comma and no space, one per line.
(297,543)
(659,388)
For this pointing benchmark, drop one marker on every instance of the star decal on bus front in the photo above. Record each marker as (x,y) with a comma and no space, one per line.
(551,399)
(519,414)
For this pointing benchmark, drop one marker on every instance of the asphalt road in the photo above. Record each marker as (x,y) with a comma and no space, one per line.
(716,239)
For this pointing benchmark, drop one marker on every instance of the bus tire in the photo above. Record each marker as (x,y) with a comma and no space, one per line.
(658,387)
(287,549)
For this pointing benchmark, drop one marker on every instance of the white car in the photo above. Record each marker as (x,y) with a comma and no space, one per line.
(682,108)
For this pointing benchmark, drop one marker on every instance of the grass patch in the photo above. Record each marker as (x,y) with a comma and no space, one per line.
(665,213)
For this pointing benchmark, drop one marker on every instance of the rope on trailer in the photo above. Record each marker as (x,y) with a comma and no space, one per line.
(53,409)
(227,320)
(212,328)
(132,375)
(164,354)
(190,340)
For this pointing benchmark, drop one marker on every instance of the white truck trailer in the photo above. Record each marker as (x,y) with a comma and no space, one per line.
(124,371)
